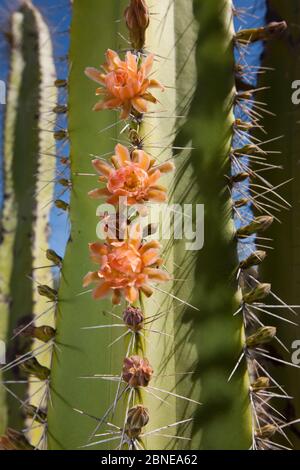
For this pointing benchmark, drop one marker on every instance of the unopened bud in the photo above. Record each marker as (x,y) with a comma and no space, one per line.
(64,182)
(60,134)
(272,30)
(52,256)
(46,291)
(256,258)
(33,367)
(36,413)
(137,371)
(14,440)
(60,109)
(266,431)
(137,18)
(239,178)
(43,333)
(259,224)
(61,205)
(258,293)
(261,383)
(137,418)
(249,149)
(263,335)
(241,202)
(61,83)
(133,318)
(242,125)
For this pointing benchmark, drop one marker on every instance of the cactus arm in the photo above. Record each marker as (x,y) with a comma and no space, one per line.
(213,335)
(282,268)
(9,211)
(27,134)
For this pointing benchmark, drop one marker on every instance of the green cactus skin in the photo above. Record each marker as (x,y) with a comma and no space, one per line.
(25,215)
(206,341)
(282,269)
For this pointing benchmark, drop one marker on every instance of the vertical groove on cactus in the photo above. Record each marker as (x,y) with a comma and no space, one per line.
(27,137)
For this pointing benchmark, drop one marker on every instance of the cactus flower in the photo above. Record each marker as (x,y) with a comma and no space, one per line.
(137,371)
(126,268)
(132,176)
(125,84)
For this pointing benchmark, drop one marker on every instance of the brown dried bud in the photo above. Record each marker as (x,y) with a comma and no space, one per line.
(61,205)
(263,335)
(137,371)
(133,318)
(60,83)
(33,367)
(51,255)
(272,30)
(14,440)
(259,224)
(60,134)
(44,333)
(266,431)
(46,291)
(60,109)
(137,418)
(256,258)
(261,384)
(260,292)
(239,178)
(35,413)
(137,18)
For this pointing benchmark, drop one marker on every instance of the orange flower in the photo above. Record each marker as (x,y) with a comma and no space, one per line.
(133,176)
(125,84)
(126,267)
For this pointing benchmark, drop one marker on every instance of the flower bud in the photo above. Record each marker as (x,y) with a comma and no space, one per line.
(133,318)
(137,18)
(43,333)
(256,258)
(137,418)
(35,413)
(61,134)
(266,431)
(259,224)
(61,205)
(258,293)
(46,291)
(137,371)
(263,335)
(54,257)
(60,83)
(60,109)
(33,367)
(260,384)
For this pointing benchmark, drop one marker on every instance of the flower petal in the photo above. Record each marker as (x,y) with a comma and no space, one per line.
(150,245)
(102,168)
(122,154)
(157,275)
(148,64)
(166,167)
(140,105)
(150,256)
(131,62)
(116,297)
(156,84)
(158,196)
(95,74)
(126,109)
(142,159)
(111,103)
(131,294)
(98,193)
(101,291)
(89,278)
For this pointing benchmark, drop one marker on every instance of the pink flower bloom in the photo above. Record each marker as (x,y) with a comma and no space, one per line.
(125,84)
(133,176)
(126,268)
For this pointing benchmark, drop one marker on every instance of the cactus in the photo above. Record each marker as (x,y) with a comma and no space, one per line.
(165,319)
(25,215)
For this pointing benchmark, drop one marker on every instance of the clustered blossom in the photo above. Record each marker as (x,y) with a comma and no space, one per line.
(132,176)
(124,84)
(126,267)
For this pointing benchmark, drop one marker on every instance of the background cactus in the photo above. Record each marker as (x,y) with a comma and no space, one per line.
(204,122)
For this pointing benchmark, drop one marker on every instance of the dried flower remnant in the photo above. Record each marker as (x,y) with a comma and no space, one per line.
(137,18)
(137,418)
(14,440)
(137,371)
(133,318)
(125,84)
(132,176)
(127,267)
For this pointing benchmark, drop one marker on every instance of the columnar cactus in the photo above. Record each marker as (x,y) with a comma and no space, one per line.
(149,325)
